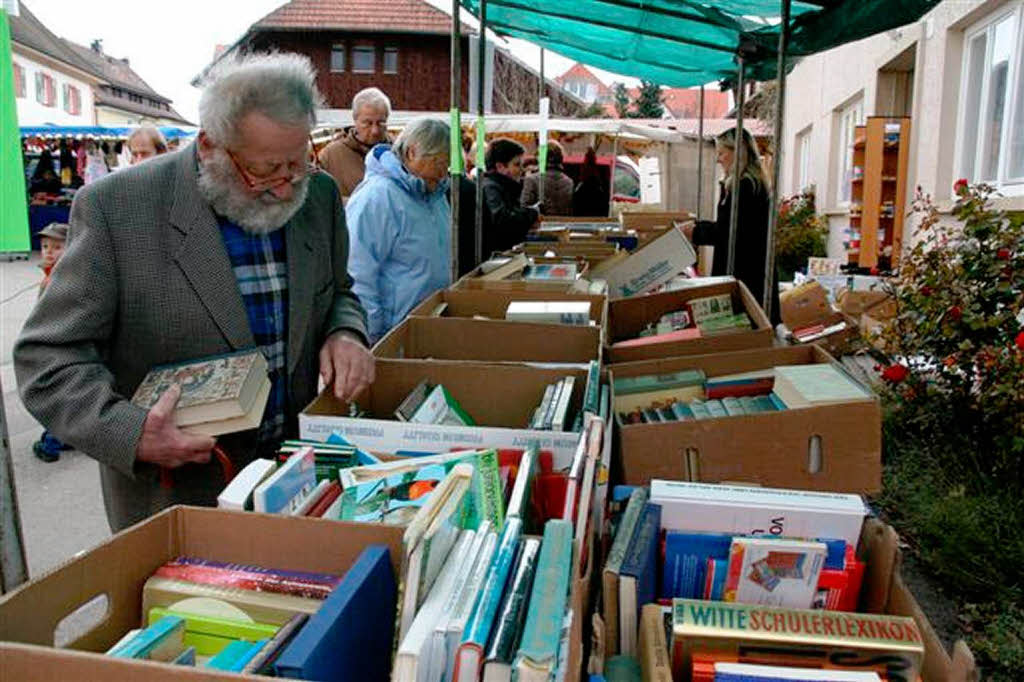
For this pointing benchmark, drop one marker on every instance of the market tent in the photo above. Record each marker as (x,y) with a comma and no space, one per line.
(169,132)
(680,43)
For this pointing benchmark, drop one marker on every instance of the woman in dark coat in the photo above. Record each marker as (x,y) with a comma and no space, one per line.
(752,223)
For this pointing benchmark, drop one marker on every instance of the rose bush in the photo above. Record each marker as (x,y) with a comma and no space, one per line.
(801,233)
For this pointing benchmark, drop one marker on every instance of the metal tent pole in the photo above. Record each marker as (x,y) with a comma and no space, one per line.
(540,142)
(611,176)
(738,154)
(700,156)
(455,162)
(780,110)
(481,59)
(13,567)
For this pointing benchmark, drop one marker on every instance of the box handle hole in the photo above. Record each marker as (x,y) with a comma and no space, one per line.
(692,456)
(814,455)
(81,621)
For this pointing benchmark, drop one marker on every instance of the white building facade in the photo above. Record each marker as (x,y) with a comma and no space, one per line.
(47,91)
(958,73)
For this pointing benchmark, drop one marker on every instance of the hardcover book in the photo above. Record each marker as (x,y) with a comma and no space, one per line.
(508,628)
(283,491)
(638,577)
(686,557)
(219,394)
(774,572)
(613,565)
(245,577)
(888,645)
(537,657)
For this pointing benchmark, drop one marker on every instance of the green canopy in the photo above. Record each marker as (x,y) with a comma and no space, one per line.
(680,43)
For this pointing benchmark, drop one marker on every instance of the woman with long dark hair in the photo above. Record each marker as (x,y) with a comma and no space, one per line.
(752,225)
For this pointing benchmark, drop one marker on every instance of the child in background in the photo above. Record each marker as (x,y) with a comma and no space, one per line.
(51,245)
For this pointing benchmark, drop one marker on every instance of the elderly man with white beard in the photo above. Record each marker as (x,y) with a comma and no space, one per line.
(235,242)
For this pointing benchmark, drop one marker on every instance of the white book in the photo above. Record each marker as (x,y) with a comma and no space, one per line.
(772,673)
(550,312)
(238,493)
(747,510)
(309,500)
(774,572)
(817,384)
(467,600)
(518,498)
(284,490)
(412,662)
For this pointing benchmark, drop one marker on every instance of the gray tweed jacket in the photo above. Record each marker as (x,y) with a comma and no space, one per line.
(146,280)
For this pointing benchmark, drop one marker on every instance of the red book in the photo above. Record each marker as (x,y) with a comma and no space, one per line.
(678,335)
(256,578)
(740,389)
(332,493)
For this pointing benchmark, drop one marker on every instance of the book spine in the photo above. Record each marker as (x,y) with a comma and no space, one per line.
(478,629)
(509,627)
(592,401)
(654,659)
(549,413)
(564,400)
(251,578)
(541,633)
(543,408)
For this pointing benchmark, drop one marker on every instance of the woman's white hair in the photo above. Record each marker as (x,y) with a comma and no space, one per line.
(429,136)
(281,86)
(373,98)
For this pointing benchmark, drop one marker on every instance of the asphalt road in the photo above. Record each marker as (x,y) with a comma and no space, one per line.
(61,504)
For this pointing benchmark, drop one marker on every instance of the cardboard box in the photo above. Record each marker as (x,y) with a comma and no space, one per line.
(647,221)
(454,338)
(491,304)
(857,303)
(628,317)
(805,305)
(830,447)
(118,568)
(650,266)
(499,398)
(472,279)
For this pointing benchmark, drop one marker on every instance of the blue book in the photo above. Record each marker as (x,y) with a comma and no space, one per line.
(682,412)
(714,580)
(350,637)
(469,658)
(235,655)
(638,577)
(161,641)
(686,559)
(364,457)
(538,650)
(776,402)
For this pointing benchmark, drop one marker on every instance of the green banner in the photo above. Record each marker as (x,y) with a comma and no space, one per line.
(542,158)
(14,235)
(481,144)
(455,166)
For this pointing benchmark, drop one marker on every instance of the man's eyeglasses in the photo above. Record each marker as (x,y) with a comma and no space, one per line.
(268,184)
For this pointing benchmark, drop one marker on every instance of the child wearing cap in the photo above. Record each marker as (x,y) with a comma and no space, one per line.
(51,245)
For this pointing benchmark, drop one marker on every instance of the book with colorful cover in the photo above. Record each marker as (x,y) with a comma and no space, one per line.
(161,641)
(440,407)
(285,489)
(537,657)
(392,492)
(246,577)
(560,272)
(774,572)
(892,646)
(710,308)
(715,573)
(329,458)
(469,657)
(686,556)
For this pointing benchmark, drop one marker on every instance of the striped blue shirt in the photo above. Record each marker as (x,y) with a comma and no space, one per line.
(261,270)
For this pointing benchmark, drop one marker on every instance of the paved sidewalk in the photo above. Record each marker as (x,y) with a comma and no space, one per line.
(61,504)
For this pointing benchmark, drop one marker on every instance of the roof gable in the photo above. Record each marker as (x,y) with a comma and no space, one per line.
(394,16)
(27,30)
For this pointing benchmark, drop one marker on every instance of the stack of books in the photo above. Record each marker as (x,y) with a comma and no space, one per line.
(727,544)
(251,619)
(688,395)
(492,601)
(698,318)
(302,485)
(553,412)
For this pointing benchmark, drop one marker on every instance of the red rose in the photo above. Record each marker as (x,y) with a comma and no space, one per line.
(960,187)
(895,373)
(926,290)
(1020,341)
(1003,254)
(874,270)
(955,313)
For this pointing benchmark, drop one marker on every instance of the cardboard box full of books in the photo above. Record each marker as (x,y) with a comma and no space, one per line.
(492,304)
(500,399)
(107,581)
(833,446)
(629,317)
(453,338)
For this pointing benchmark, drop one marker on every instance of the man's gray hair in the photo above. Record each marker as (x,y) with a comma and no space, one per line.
(281,86)
(373,98)
(429,136)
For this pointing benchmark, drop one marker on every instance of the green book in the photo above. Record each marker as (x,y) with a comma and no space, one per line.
(508,628)
(700,410)
(658,382)
(592,395)
(538,651)
(716,409)
(441,408)
(723,324)
(733,407)
(209,634)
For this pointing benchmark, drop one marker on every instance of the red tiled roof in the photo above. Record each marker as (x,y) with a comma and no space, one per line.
(401,16)
(579,71)
(685,102)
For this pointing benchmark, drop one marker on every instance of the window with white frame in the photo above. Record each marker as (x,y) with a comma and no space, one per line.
(802,175)
(338,57)
(390,60)
(364,59)
(849,117)
(990,141)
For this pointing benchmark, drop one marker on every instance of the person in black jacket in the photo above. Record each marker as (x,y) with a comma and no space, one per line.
(752,221)
(505,221)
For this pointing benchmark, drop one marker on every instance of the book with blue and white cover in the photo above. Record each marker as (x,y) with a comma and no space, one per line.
(284,490)
(686,558)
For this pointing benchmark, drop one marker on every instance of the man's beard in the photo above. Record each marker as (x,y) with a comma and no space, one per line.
(221,186)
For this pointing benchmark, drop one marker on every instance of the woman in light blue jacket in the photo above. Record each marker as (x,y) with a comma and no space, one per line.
(399,225)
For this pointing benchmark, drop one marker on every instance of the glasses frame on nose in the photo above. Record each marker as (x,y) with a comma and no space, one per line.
(270,184)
